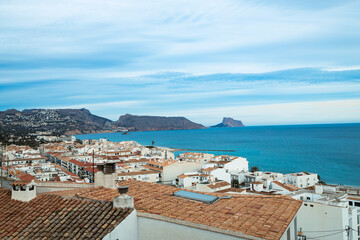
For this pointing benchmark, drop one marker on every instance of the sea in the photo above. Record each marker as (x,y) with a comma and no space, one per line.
(330,150)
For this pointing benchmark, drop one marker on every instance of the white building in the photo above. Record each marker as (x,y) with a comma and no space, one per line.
(302,179)
(144,175)
(189,180)
(326,211)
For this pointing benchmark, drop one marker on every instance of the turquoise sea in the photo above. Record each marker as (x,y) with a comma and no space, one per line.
(330,150)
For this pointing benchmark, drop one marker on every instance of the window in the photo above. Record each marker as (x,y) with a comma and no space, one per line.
(307,198)
(288,234)
(357,204)
(305,205)
(350,203)
(311,205)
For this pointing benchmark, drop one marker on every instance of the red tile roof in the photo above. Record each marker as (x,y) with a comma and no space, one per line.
(260,216)
(284,186)
(55,217)
(218,184)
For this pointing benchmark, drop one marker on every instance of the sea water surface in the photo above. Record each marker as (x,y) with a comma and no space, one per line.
(330,150)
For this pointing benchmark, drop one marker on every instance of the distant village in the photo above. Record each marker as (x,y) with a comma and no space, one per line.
(67,164)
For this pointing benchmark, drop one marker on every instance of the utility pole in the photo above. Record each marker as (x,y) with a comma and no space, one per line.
(7,162)
(348,229)
(1,173)
(93,155)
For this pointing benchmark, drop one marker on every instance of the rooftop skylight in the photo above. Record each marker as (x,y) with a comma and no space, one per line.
(196,196)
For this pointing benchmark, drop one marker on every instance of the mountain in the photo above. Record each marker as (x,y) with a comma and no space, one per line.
(229,122)
(152,123)
(55,121)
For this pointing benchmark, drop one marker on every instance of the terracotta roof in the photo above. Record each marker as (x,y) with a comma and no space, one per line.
(137,173)
(153,168)
(218,184)
(354,198)
(188,175)
(209,169)
(25,176)
(284,186)
(161,163)
(261,216)
(55,217)
(80,164)
(238,190)
(20,183)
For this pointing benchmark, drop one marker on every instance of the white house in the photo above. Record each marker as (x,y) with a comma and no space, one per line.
(326,210)
(302,179)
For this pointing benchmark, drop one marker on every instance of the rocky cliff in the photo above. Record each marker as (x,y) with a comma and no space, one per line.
(229,122)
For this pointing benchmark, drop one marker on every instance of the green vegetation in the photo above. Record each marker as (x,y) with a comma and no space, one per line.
(254,169)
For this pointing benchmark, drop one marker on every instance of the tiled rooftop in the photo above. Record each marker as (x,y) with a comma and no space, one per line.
(55,217)
(261,216)
(218,184)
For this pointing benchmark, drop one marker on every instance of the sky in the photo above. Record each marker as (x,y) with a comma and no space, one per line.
(262,62)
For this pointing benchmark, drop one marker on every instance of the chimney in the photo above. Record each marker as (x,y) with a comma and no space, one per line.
(23,191)
(106,175)
(319,189)
(123,201)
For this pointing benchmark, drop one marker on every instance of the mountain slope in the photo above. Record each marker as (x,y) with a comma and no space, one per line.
(152,123)
(56,121)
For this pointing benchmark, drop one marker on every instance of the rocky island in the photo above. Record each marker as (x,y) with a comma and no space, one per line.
(229,122)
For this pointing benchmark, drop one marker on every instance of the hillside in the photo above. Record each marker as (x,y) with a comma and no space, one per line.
(152,123)
(55,121)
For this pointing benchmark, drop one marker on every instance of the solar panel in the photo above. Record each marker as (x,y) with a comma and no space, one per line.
(196,196)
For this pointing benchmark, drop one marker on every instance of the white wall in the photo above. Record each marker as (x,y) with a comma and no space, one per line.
(170,172)
(238,164)
(126,230)
(321,217)
(152,229)
(292,228)
(221,174)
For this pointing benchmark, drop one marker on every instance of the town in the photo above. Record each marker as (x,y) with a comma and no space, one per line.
(290,206)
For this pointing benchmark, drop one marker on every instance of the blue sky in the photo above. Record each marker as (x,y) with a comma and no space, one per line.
(264,62)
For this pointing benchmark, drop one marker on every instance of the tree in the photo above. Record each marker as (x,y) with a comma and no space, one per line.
(235,183)
(254,169)
(320,181)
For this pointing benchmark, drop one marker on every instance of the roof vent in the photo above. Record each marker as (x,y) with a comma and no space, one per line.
(123,201)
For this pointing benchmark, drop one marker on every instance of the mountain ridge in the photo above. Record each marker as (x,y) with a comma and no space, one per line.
(82,121)
(154,123)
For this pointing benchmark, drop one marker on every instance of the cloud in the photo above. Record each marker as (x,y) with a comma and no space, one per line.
(193,36)
(339,111)
(160,56)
